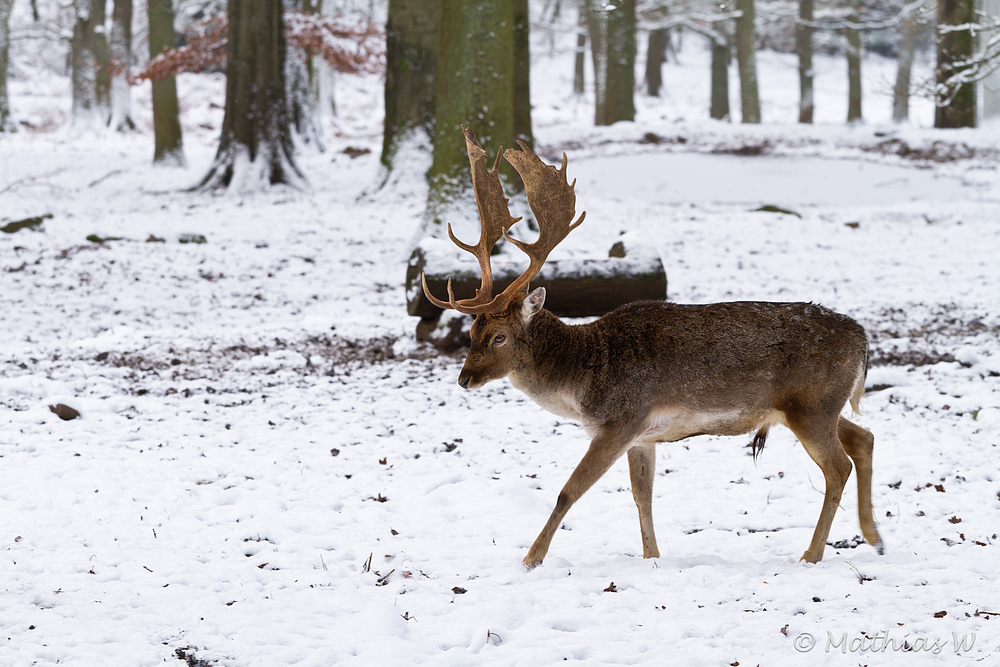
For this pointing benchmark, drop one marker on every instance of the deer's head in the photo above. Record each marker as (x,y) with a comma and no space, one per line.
(499,330)
(500,341)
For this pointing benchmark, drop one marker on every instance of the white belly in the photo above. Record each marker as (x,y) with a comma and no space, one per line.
(673,424)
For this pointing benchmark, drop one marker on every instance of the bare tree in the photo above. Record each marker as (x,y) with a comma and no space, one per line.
(121,60)
(722,54)
(804,47)
(746,59)
(5,7)
(255,145)
(299,79)
(85,59)
(579,60)
(656,51)
(612,28)
(908,27)
(169,148)
(956,94)
(411,60)
(522,76)
(854,64)
(474,87)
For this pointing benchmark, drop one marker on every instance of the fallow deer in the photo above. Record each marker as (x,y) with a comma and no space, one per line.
(655,371)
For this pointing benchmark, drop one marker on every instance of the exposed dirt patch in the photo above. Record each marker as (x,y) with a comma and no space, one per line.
(745,150)
(905,337)
(936,151)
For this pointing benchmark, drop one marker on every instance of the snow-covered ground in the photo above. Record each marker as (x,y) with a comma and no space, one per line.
(269,470)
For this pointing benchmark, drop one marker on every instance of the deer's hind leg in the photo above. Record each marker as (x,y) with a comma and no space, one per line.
(642,469)
(858,442)
(818,434)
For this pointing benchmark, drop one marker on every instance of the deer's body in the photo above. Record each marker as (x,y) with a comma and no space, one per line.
(683,370)
(652,372)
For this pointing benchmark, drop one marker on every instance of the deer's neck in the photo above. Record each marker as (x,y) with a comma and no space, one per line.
(557,371)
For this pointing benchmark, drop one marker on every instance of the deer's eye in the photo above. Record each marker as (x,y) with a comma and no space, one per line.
(499,339)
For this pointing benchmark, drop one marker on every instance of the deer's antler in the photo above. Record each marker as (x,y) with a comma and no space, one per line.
(552,200)
(494,218)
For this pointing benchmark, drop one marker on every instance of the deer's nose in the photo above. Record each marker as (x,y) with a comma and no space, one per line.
(464,379)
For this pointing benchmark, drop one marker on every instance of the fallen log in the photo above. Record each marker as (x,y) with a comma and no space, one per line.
(575,286)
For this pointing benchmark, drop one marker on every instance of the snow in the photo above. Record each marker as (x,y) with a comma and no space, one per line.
(270,470)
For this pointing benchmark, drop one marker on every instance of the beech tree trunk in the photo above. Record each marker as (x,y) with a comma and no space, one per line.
(522,75)
(5,123)
(83,62)
(579,60)
(907,47)
(612,29)
(255,146)
(298,79)
(656,52)
(953,47)
(746,60)
(721,57)
(474,87)
(411,34)
(169,149)
(804,47)
(121,60)
(854,66)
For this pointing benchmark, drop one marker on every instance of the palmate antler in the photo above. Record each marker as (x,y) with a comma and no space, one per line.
(553,202)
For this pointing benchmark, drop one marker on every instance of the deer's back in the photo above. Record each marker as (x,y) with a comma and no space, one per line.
(751,356)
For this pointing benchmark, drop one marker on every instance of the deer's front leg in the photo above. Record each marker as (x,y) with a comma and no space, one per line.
(604,450)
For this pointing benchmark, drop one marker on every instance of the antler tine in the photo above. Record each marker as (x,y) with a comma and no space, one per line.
(494,218)
(553,201)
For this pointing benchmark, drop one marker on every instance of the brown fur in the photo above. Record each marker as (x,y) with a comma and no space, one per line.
(654,371)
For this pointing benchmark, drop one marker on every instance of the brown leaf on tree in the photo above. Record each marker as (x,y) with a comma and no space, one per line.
(349,46)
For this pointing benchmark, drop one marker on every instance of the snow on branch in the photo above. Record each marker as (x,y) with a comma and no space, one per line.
(657,16)
(969,70)
(350,46)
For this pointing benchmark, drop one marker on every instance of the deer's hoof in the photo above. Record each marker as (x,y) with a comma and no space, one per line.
(531,562)
(811,557)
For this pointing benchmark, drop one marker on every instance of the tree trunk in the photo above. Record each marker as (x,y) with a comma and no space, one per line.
(746,60)
(581,52)
(989,88)
(411,60)
(102,57)
(954,47)
(655,53)
(907,47)
(255,146)
(804,47)
(721,56)
(83,62)
(121,60)
(474,87)
(854,66)
(301,106)
(522,75)
(5,123)
(166,111)
(612,42)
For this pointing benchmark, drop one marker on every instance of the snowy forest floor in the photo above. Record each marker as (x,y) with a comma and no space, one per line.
(269,470)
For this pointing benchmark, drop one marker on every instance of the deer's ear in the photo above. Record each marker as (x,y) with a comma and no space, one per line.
(532,304)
